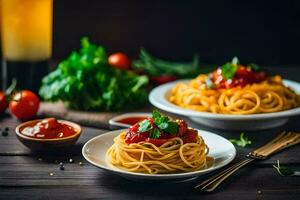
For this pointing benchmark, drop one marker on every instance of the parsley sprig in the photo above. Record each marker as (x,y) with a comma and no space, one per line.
(163,123)
(242,142)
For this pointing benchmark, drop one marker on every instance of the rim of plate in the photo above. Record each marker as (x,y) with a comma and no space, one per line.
(173,175)
(157,97)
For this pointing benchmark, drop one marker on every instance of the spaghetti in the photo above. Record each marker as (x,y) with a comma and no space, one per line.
(264,96)
(175,154)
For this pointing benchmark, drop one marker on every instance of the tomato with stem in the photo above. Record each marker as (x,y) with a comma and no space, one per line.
(24,104)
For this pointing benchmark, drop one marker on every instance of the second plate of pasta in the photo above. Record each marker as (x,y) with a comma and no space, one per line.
(160,96)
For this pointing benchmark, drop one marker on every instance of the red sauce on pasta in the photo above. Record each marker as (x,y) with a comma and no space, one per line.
(242,77)
(48,128)
(186,134)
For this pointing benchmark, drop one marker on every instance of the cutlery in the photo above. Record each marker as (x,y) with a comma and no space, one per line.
(280,142)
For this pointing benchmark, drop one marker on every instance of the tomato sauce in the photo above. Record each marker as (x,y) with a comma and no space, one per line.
(243,76)
(186,134)
(48,129)
(131,120)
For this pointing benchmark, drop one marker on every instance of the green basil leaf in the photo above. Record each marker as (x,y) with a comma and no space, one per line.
(156,115)
(144,126)
(155,133)
(172,128)
(159,118)
(228,70)
(163,125)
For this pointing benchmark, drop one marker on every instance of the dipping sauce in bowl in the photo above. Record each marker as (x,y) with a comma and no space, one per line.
(128,119)
(49,133)
(131,120)
(48,128)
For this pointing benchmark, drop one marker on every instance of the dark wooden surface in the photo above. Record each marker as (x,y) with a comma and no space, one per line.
(26,175)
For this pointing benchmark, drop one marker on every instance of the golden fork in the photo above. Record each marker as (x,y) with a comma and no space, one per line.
(280,142)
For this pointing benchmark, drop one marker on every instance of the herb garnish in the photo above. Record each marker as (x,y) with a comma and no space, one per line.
(229,69)
(172,128)
(242,142)
(155,133)
(162,122)
(145,125)
(283,170)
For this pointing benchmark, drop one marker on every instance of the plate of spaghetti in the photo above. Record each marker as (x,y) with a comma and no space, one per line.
(159,148)
(234,97)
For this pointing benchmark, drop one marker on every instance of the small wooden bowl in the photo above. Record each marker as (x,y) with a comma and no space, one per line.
(47,144)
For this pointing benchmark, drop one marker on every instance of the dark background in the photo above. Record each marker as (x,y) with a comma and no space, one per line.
(265,32)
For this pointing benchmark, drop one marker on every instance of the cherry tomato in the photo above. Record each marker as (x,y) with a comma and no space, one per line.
(3,102)
(162,79)
(120,61)
(24,105)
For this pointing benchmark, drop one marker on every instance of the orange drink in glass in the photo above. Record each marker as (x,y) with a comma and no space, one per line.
(26,41)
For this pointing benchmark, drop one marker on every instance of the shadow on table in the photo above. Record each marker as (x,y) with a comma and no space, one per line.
(180,189)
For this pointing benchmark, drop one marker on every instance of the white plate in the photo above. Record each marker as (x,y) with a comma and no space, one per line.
(219,148)
(158,97)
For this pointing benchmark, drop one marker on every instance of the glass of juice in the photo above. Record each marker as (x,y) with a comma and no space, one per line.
(26,41)
(1,77)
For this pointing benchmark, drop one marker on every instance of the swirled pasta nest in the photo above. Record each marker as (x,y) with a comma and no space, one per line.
(265,97)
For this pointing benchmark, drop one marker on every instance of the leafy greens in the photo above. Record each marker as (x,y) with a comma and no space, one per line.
(242,142)
(157,67)
(85,81)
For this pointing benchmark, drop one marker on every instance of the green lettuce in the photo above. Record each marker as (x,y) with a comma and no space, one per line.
(85,81)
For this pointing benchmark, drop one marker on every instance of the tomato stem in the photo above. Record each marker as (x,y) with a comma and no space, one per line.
(11,93)
(11,88)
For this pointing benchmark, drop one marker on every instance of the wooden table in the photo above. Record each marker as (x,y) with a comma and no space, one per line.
(26,175)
